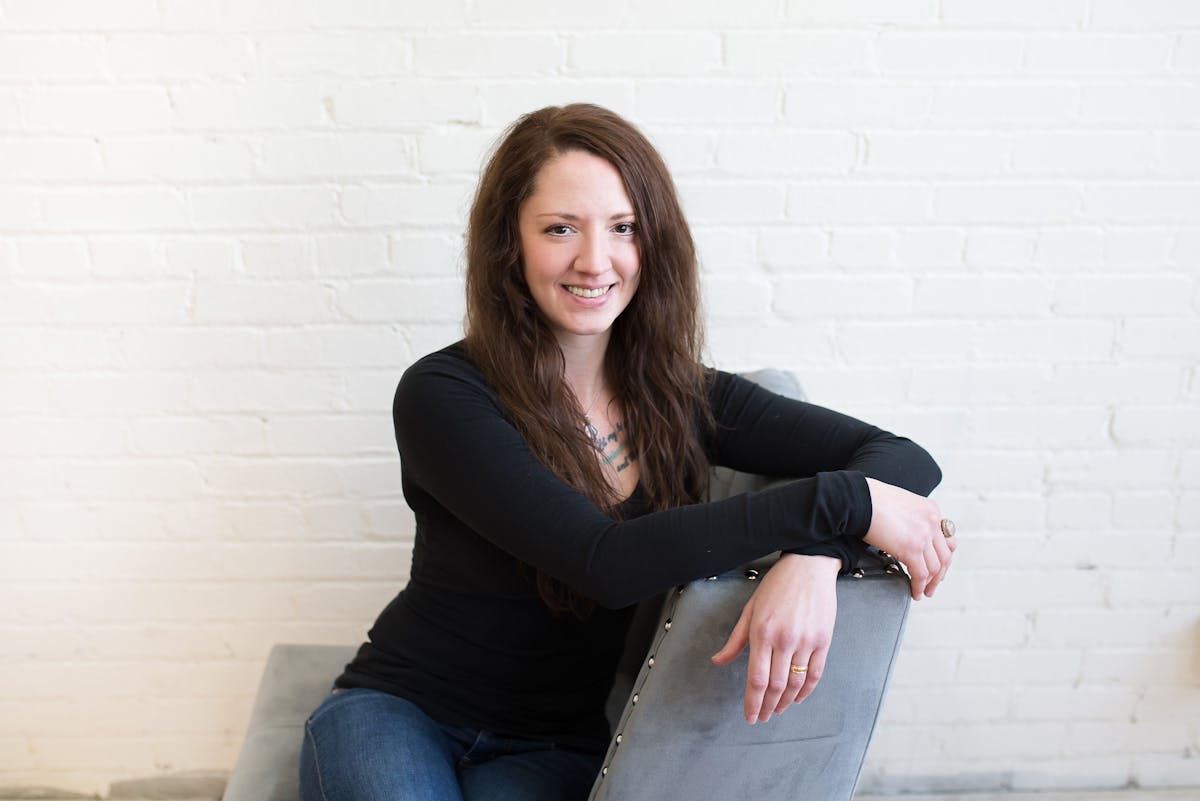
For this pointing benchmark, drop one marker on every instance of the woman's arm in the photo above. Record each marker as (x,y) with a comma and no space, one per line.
(759,431)
(460,454)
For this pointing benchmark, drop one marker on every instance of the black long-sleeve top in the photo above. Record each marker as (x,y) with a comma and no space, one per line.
(469,639)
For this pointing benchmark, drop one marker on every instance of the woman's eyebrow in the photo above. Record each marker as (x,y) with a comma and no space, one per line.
(568,216)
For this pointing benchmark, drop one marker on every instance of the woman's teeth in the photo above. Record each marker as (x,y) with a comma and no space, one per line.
(587,293)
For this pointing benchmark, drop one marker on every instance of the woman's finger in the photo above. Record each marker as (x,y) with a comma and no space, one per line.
(758,677)
(777,685)
(816,669)
(797,679)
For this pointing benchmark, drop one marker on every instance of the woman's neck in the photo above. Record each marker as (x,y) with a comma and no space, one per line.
(583,358)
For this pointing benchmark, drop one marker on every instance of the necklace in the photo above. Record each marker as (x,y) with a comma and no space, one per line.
(598,442)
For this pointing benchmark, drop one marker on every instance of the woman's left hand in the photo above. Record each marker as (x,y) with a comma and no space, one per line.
(787,621)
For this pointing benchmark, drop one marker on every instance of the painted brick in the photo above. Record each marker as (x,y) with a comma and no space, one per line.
(476,54)
(1156,425)
(1006,203)
(989,296)
(876,296)
(1089,54)
(732,202)
(406,204)
(1069,249)
(293,55)
(52,258)
(858,13)
(126,257)
(1162,294)
(790,247)
(403,16)
(736,299)
(845,104)
(1058,340)
(941,54)
(455,150)
(660,53)
(724,251)
(113,209)
(685,152)
(264,303)
(505,100)
(336,347)
(79,15)
(429,255)
(546,14)
(684,103)
(1089,153)
(797,51)
(155,57)
(255,207)
(1005,105)
(97,109)
(1151,14)
(1151,104)
(932,153)
(351,254)
(407,301)
(319,156)
(46,159)
(1068,14)
(862,248)
(1176,154)
(1135,247)
(1187,52)
(1153,204)
(859,203)
(805,153)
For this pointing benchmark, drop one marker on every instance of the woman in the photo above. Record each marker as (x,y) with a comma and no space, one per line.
(557,460)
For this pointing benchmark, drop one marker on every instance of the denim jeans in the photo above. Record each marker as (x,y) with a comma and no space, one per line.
(367,745)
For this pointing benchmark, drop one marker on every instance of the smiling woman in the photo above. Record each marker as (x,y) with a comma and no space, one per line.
(579,242)
(588,424)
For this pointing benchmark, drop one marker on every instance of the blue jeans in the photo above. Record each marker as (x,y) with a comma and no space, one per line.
(367,745)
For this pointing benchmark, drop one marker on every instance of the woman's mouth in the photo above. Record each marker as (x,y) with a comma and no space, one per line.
(586,292)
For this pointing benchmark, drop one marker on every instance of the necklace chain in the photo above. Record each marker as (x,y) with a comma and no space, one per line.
(598,442)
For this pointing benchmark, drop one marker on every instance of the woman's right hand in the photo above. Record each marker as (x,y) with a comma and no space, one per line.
(909,527)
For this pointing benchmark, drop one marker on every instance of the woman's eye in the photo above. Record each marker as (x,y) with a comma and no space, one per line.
(559,230)
(625,229)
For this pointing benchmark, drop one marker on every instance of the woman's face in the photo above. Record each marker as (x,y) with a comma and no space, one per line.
(579,245)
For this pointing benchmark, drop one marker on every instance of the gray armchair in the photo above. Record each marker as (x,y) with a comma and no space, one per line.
(677,718)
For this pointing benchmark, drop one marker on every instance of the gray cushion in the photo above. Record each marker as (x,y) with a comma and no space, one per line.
(683,734)
(294,682)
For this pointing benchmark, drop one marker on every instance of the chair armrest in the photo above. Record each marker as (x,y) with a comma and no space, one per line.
(682,733)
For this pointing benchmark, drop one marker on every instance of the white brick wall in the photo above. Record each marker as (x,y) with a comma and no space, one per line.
(226,228)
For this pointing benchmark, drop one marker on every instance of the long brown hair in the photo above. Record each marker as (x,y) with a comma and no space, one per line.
(653,359)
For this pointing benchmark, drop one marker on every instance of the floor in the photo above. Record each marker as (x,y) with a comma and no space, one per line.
(1192,794)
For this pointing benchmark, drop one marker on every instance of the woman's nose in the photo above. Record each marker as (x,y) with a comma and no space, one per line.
(592,256)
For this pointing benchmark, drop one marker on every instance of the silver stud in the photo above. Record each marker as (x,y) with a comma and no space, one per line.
(667,625)
(650,662)
(604,771)
(858,572)
(635,698)
(751,574)
(711,578)
(619,738)
(893,568)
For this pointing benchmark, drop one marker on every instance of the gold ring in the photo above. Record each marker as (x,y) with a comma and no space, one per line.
(948,528)
(798,669)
